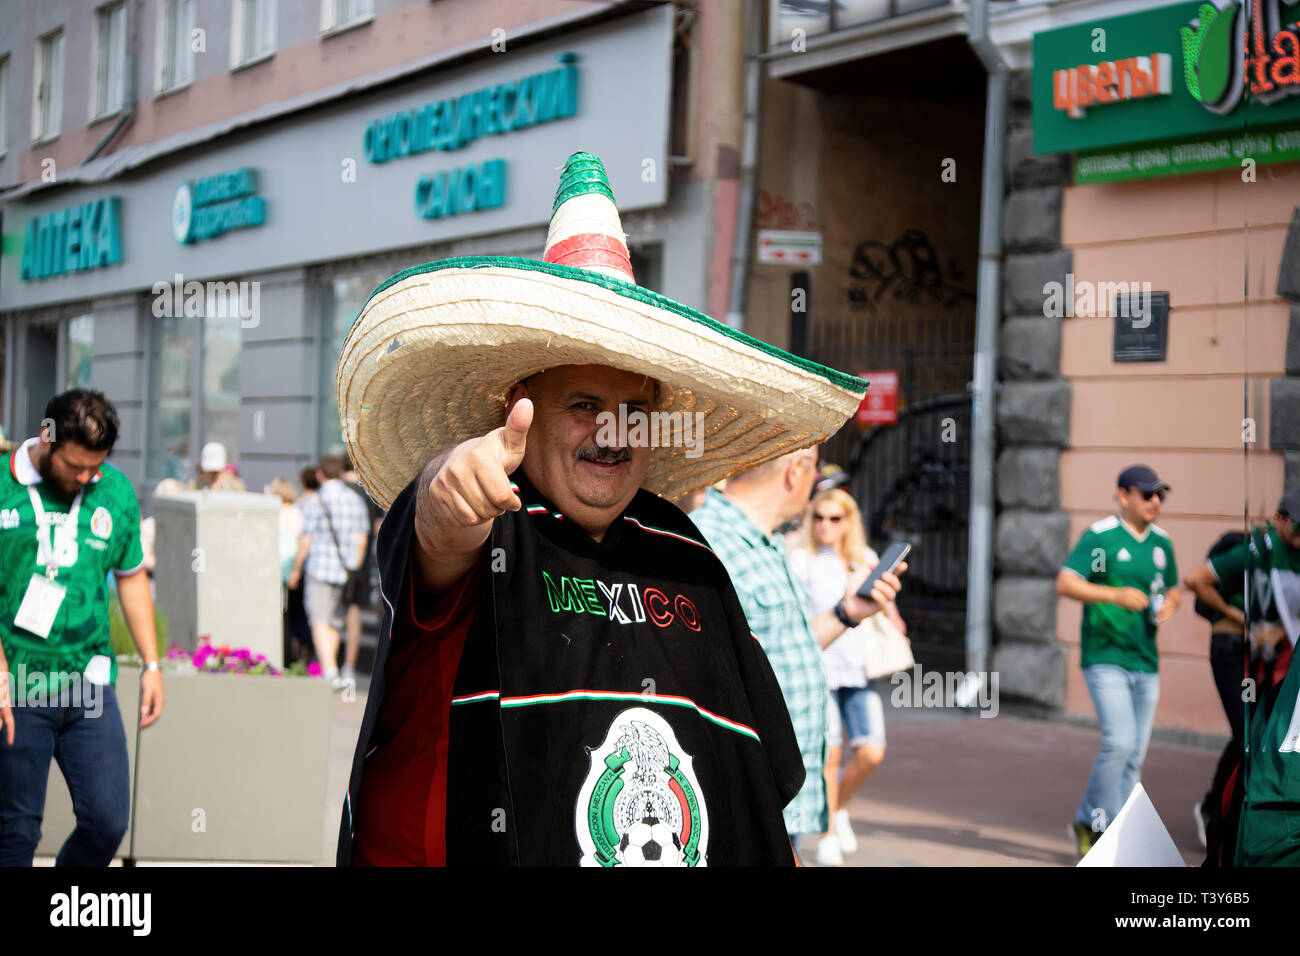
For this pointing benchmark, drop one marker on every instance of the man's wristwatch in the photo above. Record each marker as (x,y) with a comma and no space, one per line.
(843,616)
(153,666)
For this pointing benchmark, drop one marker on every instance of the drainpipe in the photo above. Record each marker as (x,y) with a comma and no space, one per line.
(987,317)
(748,165)
(128,107)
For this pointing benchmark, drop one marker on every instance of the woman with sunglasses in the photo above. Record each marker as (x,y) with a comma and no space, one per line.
(1123,572)
(833,546)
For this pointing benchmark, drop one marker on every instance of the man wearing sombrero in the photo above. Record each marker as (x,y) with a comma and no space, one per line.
(565,675)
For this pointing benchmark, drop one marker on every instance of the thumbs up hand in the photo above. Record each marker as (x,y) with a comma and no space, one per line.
(462,495)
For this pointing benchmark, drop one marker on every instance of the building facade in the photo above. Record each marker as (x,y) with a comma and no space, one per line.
(875,127)
(201,246)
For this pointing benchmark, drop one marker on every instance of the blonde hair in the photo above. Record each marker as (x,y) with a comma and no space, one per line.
(284,488)
(852,546)
(228,481)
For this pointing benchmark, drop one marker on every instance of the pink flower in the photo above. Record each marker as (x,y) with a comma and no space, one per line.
(259,658)
(314,669)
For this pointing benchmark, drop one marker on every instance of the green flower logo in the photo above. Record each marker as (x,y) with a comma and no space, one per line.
(1208,56)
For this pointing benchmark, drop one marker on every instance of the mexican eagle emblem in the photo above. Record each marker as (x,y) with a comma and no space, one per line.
(641,804)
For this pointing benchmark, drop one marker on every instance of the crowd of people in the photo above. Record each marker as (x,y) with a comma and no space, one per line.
(572,669)
(1123,571)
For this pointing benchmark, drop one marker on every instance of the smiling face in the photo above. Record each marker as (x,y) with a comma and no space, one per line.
(589,482)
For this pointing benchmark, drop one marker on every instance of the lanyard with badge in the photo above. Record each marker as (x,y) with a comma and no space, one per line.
(56,547)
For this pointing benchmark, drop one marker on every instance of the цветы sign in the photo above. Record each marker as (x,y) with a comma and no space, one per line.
(1194,71)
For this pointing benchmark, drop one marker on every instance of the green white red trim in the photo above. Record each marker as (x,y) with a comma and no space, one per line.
(671,700)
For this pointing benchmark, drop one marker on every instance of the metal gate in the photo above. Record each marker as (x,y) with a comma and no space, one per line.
(912,481)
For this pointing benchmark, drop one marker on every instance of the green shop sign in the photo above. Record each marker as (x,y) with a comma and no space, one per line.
(454,123)
(72,240)
(216,204)
(467,189)
(1200,72)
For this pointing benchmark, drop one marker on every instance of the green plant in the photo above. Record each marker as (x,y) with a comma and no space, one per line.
(119,635)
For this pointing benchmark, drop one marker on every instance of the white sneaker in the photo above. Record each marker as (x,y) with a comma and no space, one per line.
(828,851)
(842,827)
(348,673)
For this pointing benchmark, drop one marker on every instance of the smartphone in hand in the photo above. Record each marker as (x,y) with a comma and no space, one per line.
(889,561)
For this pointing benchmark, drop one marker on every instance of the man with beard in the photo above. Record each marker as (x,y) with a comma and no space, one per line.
(565,675)
(66,520)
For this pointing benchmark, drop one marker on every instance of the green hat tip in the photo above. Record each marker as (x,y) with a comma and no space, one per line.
(583,173)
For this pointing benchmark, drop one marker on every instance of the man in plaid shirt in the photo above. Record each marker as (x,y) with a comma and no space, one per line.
(740,525)
(335,529)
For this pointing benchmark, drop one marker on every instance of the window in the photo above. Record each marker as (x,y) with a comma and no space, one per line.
(79,352)
(194,392)
(47,92)
(253,32)
(175,57)
(337,14)
(4,105)
(109,74)
(343,298)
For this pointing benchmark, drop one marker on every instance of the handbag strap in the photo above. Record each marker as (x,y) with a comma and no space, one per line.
(333,534)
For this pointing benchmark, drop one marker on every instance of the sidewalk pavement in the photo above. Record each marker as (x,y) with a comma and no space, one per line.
(955,789)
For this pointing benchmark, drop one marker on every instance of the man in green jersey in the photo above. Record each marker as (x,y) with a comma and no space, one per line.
(1265,570)
(1123,570)
(67,520)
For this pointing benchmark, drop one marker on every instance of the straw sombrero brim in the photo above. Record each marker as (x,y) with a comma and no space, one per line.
(430,359)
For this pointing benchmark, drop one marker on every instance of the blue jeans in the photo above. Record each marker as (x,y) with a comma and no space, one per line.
(1126,708)
(89,744)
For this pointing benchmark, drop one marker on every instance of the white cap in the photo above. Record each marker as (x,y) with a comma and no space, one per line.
(213,457)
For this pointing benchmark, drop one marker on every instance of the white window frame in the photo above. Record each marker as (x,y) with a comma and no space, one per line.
(47,111)
(108,61)
(252,39)
(339,15)
(174,58)
(4,105)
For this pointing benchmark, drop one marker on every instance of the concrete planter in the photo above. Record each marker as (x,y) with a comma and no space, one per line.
(235,770)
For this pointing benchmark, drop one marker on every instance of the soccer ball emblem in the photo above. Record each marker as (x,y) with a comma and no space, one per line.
(650,843)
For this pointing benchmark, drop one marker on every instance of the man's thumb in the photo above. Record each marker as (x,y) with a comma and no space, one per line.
(515,434)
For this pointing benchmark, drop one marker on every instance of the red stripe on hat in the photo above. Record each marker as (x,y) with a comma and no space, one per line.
(589,249)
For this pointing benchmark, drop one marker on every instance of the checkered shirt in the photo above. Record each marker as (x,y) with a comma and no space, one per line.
(776,607)
(350,517)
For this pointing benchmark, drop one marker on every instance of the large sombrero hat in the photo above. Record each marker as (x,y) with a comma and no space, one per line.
(436,347)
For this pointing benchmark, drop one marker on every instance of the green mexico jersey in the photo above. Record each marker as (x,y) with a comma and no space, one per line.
(1112,554)
(1267,573)
(107,539)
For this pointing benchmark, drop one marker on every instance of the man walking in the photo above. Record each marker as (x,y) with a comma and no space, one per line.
(357,595)
(332,548)
(740,525)
(1124,573)
(66,520)
(1263,571)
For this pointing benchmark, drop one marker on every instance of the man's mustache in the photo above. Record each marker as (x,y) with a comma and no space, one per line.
(602,456)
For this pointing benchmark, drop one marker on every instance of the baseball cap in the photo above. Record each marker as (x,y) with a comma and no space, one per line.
(830,476)
(1290,503)
(213,457)
(1142,478)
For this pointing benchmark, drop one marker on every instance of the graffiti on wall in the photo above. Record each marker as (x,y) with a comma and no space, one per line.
(777,212)
(910,267)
